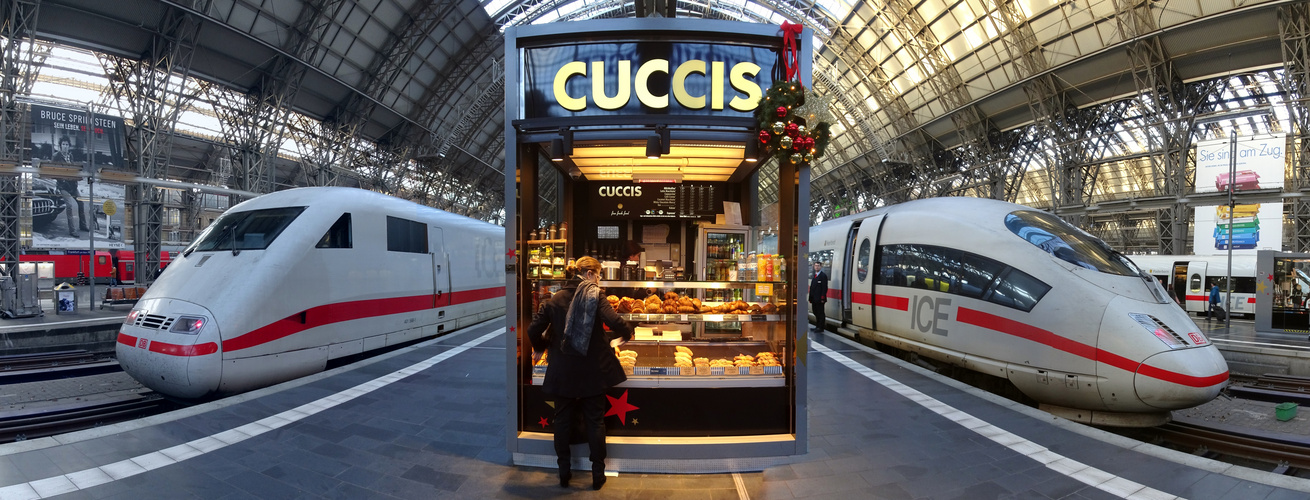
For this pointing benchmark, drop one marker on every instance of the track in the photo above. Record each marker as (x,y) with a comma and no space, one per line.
(1285,451)
(30,423)
(22,368)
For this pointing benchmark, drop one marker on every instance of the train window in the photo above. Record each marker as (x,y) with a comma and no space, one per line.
(338,236)
(862,265)
(1018,290)
(958,272)
(405,235)
(1068,243)
(249,230)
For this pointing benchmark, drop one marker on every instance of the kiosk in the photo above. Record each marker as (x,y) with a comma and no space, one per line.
(643,130)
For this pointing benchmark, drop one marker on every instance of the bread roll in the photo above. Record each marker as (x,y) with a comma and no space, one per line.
(683,348)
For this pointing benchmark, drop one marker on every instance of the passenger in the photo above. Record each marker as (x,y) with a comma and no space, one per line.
(819,294)
(582,364)
(1214,301)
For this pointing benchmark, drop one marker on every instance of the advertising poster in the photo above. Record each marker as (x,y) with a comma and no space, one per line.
(60,135)
(62,215)
(1260,165)
(1255,227)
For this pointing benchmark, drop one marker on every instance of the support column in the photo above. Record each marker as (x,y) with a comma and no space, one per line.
(19,64)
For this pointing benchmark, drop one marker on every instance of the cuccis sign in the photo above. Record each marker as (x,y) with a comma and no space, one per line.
(670,78)
(741,77)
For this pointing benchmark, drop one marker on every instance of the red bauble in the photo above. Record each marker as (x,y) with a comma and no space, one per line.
(793,130)
(809,143)
(782,112)
(764,136)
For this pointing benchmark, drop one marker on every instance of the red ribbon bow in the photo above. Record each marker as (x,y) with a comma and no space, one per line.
(791,58)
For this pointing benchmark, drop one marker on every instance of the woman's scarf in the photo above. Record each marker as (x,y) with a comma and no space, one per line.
(580,318)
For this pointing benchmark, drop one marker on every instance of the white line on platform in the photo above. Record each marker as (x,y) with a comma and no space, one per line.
(67,483)
(1090,476)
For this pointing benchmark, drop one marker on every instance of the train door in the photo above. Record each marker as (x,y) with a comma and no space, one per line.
(863,274)
(1198,294)
(1178,282)
(440,269)
(847,271)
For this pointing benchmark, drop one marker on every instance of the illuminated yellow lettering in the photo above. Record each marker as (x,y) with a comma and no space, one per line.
(620,99)
(561,78)
(745,85)
(680,84)
(643,88)
(716,85)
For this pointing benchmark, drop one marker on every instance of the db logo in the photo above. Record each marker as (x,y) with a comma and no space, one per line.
(1196,338)
(142,343)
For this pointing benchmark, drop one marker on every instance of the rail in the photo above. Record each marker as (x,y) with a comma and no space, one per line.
(1284,450)
(31,423)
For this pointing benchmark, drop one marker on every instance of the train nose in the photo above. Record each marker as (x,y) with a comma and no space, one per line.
(1181,378)
(171,347)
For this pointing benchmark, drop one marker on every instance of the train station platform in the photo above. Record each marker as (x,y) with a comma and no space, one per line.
(429,421)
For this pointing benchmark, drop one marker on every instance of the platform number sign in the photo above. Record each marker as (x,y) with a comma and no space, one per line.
(142,343)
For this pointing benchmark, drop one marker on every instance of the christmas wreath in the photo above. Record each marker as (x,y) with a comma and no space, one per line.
(783,131)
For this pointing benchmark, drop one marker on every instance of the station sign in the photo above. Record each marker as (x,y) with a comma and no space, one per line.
(646,78)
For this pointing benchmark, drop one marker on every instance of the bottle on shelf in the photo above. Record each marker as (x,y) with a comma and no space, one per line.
(782,268)
(564,231)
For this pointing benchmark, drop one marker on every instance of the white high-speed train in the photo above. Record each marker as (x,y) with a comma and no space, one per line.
(281,284)
(1012,292)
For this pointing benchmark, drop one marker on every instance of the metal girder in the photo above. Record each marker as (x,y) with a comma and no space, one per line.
(1065,129)
(1294,30)
(155,90)
(20,62)
(253,123)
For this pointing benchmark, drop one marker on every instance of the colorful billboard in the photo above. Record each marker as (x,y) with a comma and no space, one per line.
(1249,227)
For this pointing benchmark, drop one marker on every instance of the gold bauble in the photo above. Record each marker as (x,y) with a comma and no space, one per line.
(796,157)
(800,129)
(785,142)
(778,127)
(809,158)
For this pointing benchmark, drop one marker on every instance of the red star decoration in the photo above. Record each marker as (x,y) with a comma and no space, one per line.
(1270,277)
(619,406)
(512,328)
(803,243)
(511,253)
(544,422)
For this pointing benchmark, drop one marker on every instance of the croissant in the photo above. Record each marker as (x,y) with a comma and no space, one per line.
(686,309)
(769,308)
(683,301)
(653,308)
(670,295)
(696,302)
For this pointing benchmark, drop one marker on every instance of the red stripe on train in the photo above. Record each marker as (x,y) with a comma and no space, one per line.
(167,348)
(346,311)
(1050,339)
(892,302)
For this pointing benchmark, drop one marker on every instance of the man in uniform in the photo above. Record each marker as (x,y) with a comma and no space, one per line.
(819,293)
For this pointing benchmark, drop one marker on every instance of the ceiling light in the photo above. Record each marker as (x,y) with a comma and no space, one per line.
(653,147)
(656,177)
(557,149)
(752,150)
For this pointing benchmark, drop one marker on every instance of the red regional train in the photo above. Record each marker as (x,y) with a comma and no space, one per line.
(111,266)
(1016,293)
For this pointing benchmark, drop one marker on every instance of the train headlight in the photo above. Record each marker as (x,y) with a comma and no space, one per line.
(188,324)
(131,317)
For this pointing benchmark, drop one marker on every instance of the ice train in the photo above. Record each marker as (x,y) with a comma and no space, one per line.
(281,284)
(1189,278)
(1016,293)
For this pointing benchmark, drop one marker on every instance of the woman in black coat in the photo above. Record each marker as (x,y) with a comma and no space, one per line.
(581,365)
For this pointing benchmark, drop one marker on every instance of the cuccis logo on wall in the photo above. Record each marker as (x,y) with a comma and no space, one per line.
(645,78)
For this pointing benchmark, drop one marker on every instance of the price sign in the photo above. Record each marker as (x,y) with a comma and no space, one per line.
(764,289)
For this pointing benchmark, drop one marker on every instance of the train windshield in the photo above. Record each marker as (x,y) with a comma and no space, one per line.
(252,230)
(1068,243)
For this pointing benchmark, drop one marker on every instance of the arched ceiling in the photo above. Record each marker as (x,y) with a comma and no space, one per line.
(904,79)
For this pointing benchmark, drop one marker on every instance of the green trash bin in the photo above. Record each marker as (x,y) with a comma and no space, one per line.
(1285,411)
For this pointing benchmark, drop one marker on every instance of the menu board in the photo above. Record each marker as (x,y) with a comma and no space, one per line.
(686,200)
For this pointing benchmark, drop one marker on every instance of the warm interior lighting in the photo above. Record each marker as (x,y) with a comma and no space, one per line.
(653,147)
(752,151)
(694,161)
(557,149)
(656,177)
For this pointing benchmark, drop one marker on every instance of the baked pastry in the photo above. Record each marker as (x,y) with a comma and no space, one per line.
(653,308)
(769,308)
(670,295)
(682,348)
